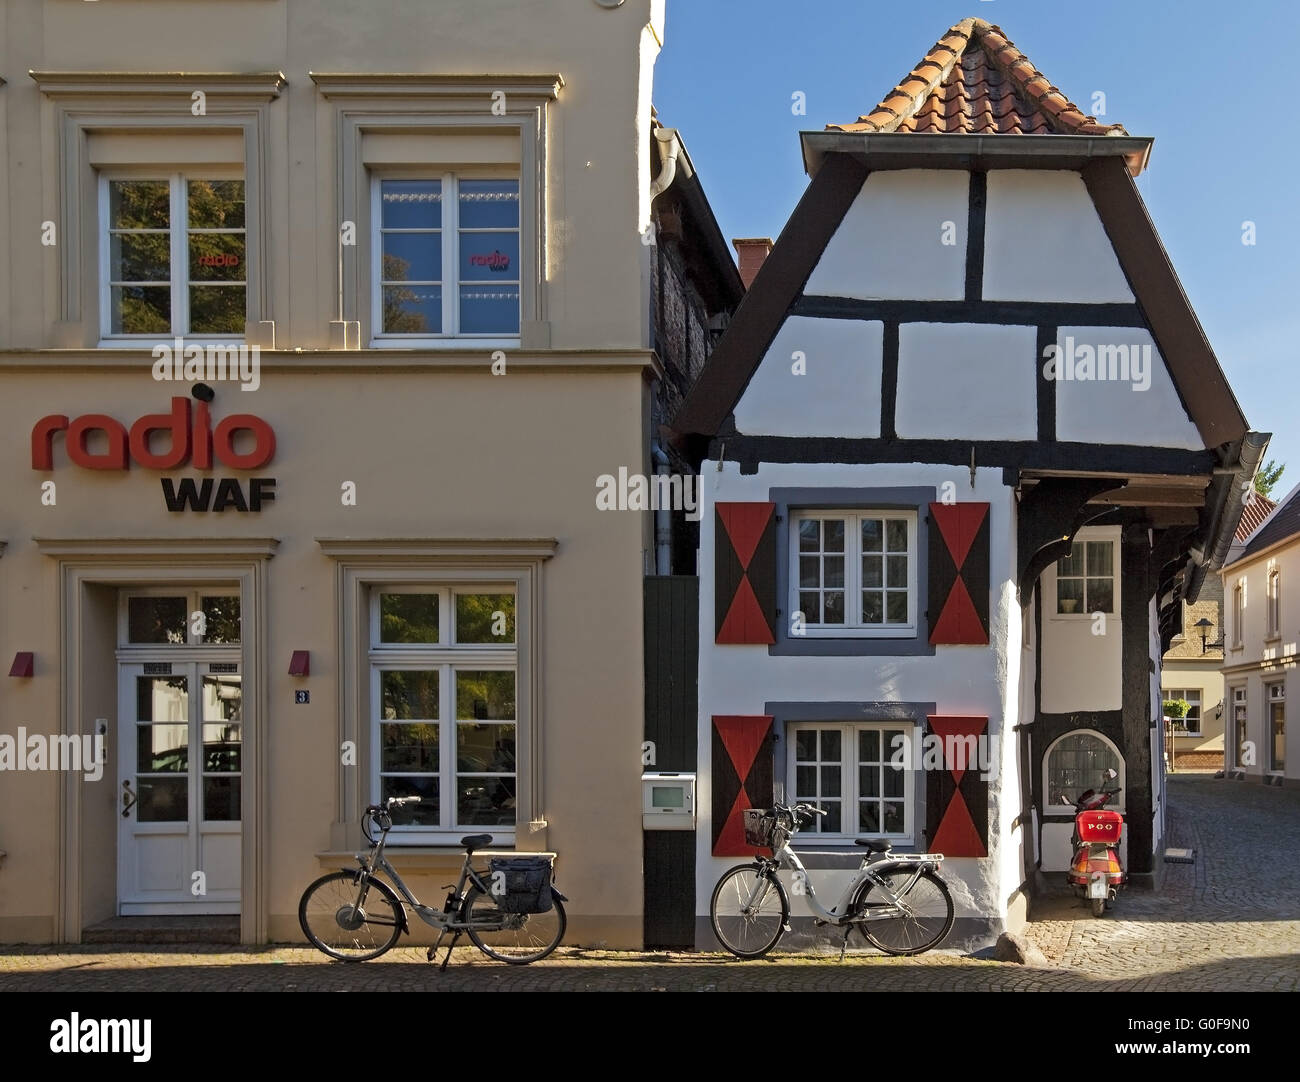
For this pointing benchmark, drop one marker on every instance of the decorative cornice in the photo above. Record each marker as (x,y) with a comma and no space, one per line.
(424,85)
(265,85)
(117,548)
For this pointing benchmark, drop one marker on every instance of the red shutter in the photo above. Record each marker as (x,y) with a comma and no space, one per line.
(956,798)
(744,596)
(742,778)
(959,574)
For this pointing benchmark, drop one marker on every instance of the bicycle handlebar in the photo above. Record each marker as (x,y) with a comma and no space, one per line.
(380,814)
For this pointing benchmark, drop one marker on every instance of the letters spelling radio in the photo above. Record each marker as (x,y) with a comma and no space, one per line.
(193,440)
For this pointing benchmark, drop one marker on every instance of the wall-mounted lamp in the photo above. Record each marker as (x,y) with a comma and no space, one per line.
(1205,626)
(24,663)
(300,663)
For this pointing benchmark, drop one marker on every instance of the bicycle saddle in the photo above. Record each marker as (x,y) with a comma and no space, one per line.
(475,841)
(873,845)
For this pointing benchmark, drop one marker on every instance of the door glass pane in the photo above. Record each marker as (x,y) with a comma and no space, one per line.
(162,749)
(155,620)
(221,798)
(485,618)
(221,619)
(163,800)
(485,695)
(222,724)
(162,698)
(408,618)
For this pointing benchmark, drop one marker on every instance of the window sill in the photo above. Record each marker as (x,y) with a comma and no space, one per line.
(462,343)
(849,646)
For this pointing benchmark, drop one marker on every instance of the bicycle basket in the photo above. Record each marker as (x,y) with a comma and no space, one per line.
(524,884)
(760,827)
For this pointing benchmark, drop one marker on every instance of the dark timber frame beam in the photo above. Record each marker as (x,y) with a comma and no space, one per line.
(1050,514)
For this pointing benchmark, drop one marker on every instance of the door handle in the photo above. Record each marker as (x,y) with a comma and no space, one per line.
(128,799)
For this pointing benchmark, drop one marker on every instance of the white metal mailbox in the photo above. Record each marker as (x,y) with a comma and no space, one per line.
(668,801)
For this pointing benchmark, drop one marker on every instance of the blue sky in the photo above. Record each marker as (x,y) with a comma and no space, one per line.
(1212,84)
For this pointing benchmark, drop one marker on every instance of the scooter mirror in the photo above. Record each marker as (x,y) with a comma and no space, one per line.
(1111,773)
(1066,801)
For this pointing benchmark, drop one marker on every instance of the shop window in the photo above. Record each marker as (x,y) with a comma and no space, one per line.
(853,573)
(1085,580)
(447,258)
(1276,727)
(444,719)
(173,258)
(1079,761)
(853,772)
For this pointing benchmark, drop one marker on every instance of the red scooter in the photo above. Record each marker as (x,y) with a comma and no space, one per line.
(1096,872)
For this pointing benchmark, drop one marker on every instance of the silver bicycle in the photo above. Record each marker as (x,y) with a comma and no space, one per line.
(895,901)
(511,912)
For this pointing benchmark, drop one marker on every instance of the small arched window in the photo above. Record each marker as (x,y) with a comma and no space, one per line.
(1078,761)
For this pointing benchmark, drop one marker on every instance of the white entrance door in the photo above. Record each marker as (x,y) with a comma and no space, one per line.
(179,749)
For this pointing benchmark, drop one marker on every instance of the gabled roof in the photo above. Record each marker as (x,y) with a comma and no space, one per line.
(974,81)
(1282,524)
(1253,516)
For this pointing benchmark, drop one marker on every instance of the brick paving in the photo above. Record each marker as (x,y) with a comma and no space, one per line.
(1231,921)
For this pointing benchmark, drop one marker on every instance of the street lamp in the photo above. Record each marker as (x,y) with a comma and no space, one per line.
(1205,626)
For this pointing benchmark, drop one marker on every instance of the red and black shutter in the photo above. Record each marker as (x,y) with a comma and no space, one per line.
(959,574)
(744,573)
(742,778)
(956,799)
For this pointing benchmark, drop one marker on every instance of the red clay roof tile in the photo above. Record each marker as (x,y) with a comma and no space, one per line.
(976,82)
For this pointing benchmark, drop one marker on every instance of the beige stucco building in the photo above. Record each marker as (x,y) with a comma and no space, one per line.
(1260,647)
(431,222)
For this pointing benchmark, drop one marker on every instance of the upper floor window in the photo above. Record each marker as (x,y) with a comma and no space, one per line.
(1273,601)
(172,256)
(854,573)
(1238,611)
(1085,580)
(447,258)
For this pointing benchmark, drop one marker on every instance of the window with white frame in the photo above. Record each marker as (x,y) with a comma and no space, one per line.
(1276,694)
(1273,602)
(444,724)
(1085,580)
(1078,761)
(854,572)
(853,772)
(446,258)
(173,253)
(1190,724)
(1238,611)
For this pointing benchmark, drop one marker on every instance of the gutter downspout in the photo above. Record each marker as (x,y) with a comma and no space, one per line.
(663,515)
(669,149)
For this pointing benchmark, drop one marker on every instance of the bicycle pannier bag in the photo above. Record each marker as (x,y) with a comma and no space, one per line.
(759,826)
(526,882)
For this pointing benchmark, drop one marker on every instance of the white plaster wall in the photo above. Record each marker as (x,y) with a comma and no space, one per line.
(836,394)
(1057,851)
(1043,241)
(966,381)
(1081,671)
(890,244)
(1141,409)
(958,679)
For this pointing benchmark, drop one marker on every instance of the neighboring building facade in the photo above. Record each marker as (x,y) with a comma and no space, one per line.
(1192,668)
(913,526)
(383,570)
(1262,648)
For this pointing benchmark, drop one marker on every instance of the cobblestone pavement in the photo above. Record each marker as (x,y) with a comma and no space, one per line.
(1229,922)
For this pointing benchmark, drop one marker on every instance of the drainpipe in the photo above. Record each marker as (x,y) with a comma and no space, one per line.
(669,148)
(663,515)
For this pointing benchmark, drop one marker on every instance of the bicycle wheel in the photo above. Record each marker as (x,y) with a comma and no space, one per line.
(744,929)
(924,923)
(523,937)
(331,919)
